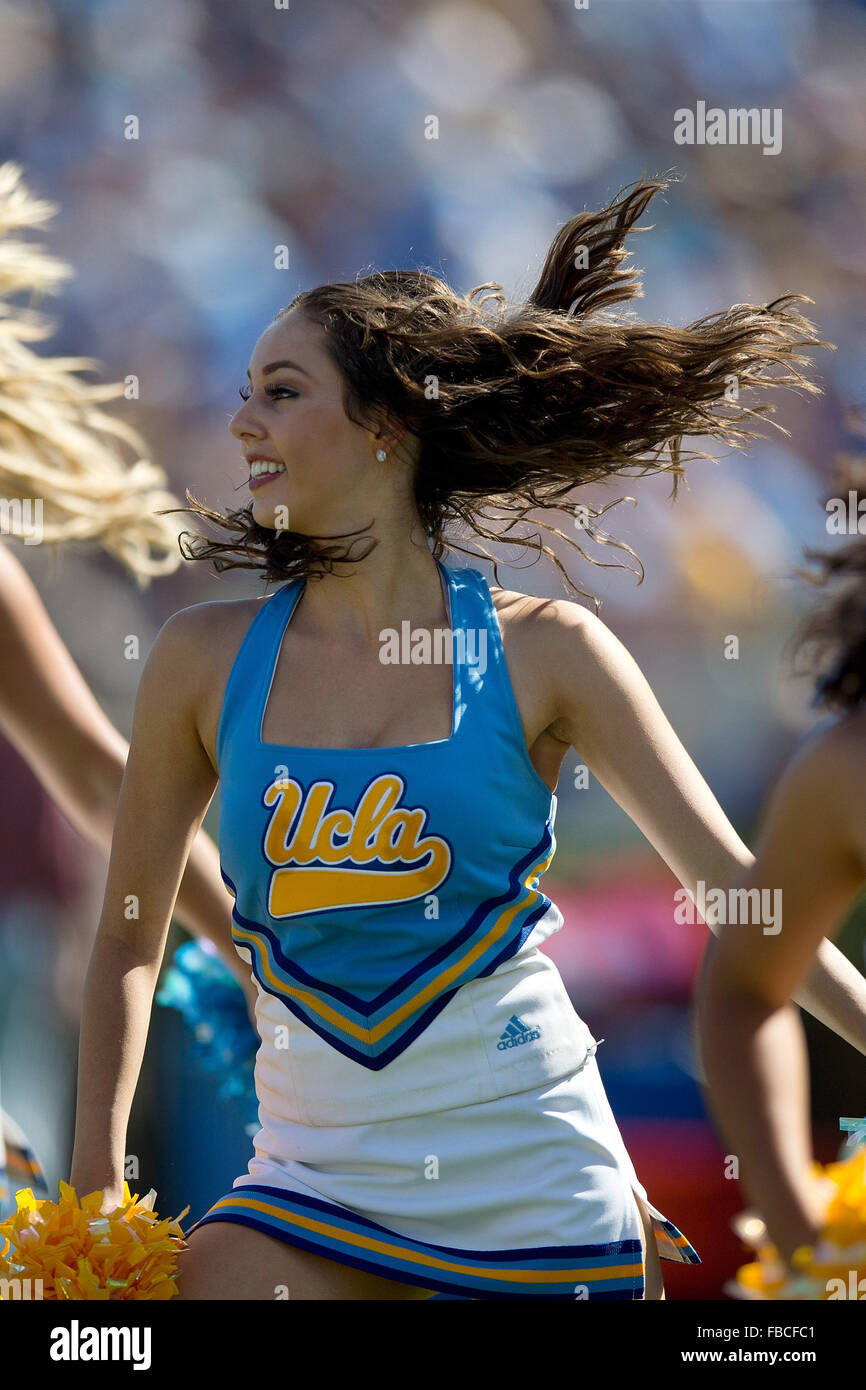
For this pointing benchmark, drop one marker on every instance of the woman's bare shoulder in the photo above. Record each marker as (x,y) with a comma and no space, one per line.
(543,625)
(204,624)
(534,633)
(832,758)
(823,785)
(532,611)
(204,640)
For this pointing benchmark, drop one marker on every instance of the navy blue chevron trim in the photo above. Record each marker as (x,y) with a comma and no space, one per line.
(366,1007)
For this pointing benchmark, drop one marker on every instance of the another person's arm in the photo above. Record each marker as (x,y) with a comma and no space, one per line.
(167,787)
(50,715)
(811,848)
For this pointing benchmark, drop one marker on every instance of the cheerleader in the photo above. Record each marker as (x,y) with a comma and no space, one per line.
(812,851)
(62,472)
(432,1117)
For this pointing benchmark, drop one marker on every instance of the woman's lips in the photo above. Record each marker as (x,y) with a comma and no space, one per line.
(260,479)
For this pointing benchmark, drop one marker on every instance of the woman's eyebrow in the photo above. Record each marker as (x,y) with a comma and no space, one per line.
(284,362)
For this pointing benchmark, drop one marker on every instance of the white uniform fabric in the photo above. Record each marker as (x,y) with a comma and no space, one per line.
(460,1059)
(525,1155)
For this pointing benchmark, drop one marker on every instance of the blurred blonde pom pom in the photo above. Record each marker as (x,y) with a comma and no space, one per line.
(58,447)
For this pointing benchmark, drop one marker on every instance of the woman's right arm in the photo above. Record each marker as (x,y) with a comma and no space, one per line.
(167,787)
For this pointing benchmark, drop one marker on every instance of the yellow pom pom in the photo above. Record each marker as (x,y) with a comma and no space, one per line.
(835,1266)
(77,1253)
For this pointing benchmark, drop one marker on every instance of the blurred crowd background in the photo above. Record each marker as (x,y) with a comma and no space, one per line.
(304,127)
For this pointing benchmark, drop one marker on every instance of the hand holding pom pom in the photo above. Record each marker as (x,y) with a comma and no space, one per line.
(79,1252)
(835,1266)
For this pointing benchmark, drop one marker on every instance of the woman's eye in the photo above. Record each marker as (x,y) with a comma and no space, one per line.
(245,391)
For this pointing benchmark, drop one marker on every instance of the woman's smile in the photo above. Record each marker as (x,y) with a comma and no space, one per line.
(263,470)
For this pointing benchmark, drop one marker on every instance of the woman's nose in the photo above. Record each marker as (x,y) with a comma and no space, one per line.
(242,424)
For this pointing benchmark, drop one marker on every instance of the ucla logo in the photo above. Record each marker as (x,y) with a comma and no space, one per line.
(321,856)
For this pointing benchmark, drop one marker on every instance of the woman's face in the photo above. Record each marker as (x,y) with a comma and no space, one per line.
(293,416)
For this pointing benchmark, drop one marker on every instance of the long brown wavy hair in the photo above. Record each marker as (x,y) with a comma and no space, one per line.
(516,408)
(831,643)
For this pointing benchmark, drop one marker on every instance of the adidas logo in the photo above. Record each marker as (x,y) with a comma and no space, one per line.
(516,1034)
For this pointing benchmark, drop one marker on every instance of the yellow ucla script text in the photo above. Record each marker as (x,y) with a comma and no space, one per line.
(302,830)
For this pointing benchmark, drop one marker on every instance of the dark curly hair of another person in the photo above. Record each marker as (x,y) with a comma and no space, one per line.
(832,640)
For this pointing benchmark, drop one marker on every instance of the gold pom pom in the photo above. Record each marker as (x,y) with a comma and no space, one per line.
(834,1267)
(77,1253)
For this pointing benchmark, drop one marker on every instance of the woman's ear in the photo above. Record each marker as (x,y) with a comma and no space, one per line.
(386,431)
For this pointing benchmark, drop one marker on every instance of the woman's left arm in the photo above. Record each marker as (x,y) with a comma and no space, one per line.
(606,709)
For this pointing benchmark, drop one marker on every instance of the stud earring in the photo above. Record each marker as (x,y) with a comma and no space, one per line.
(381,455)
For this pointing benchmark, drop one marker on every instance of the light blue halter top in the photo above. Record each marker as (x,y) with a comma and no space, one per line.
(371,883)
